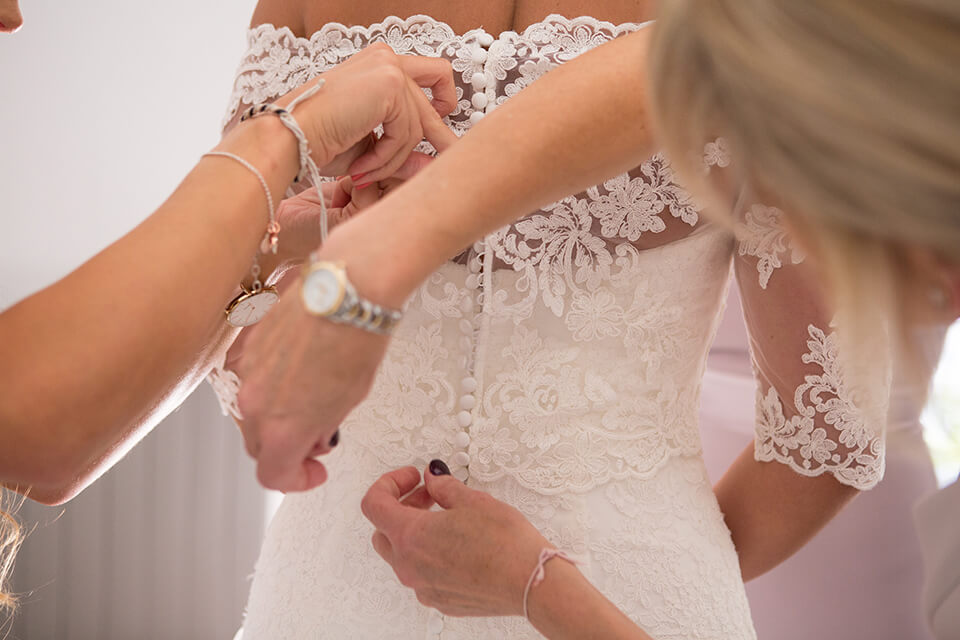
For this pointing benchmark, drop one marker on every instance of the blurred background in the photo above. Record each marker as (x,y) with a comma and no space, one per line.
(106,104)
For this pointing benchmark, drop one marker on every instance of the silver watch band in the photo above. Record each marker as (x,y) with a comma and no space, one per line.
(351,309)
(370,317)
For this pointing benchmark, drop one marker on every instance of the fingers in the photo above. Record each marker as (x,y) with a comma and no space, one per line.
(381,544)
(446,491)
(381,505)
(362,198)
(309,474)
(419,499)
(435,129)
(391,151)
(340,193)
(283,464)
(435,74)
(402,131)
(415,163)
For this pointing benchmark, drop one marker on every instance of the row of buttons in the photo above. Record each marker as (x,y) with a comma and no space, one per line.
(460,460)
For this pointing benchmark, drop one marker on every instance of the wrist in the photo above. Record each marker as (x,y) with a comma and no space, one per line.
(388,251)
(376,269)
(567,606)
(266,143)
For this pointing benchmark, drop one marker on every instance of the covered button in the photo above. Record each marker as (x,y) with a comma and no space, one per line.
(480,101)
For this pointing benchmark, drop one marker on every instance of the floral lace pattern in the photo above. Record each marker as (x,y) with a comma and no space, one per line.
(762,235)
(851,451)
(556,365)
(226,386)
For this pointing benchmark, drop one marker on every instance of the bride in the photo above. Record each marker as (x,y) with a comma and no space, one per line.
(556,364)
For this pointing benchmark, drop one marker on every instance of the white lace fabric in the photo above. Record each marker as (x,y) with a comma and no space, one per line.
(557,366)
(807,410)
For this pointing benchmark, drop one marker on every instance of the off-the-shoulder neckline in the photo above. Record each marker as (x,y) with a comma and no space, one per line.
(392,21)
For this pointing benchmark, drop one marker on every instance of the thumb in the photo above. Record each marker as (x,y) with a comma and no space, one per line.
(412,165)
(446,491)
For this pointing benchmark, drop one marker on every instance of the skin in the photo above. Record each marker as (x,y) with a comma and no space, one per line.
(61,418)
(11,19)
(463,560)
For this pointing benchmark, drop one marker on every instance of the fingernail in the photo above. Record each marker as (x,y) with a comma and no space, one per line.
(335,440)
(357,177)
(439,468)
(364,185)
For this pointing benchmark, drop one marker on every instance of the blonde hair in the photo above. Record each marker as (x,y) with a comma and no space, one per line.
(11,536)
(847,112)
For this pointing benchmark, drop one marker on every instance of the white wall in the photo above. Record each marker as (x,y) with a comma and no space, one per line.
(104,106)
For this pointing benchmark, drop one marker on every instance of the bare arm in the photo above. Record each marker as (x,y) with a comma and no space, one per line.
(95,360)
(511,163)
(772,511)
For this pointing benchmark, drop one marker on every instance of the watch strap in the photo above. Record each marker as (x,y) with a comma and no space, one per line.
(354,310)
(370,317)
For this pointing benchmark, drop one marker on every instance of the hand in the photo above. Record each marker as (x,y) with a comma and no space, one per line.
(375,86)
(471,559)
(299,217)
(302,374)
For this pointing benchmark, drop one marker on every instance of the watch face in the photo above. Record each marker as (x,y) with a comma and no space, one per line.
(322,292)
(252,309)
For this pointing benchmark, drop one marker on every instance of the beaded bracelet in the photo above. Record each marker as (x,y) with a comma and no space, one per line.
(271,238)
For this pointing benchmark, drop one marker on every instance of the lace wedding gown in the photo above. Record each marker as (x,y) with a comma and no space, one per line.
(556,365)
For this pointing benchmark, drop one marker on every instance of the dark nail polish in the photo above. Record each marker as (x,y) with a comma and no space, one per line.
(335,440)
(439,468)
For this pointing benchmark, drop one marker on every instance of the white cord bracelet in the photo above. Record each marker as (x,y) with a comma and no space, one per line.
(307,165)
(539,573)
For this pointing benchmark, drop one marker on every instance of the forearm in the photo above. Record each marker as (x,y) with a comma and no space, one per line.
(576,126)
(772,511)
(566,606)
(104,353)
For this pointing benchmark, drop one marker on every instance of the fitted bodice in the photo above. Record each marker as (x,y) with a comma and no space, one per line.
(587,320)
(556,364)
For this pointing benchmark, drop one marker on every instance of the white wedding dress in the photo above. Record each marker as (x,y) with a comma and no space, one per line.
(556,364)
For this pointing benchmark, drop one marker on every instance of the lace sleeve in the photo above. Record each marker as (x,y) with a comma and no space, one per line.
(226,386)
(809,415)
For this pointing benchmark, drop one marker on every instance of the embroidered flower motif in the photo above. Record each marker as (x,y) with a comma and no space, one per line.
(716,154)
(226,385)
(848,449)
(493,444)
(629,207)
(541,393)
(562,248)
(594,315)
(762,236)
(530,71)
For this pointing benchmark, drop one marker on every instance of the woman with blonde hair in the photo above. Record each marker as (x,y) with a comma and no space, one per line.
(842,116)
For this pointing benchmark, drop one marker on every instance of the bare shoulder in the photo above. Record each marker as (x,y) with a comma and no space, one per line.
(288,13)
